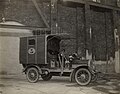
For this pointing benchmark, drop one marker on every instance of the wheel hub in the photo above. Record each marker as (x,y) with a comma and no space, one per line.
(32,75)
(46,72)
(82,76)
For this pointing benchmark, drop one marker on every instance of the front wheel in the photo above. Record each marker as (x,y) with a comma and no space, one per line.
(32,75)
(94,77)
(83,76)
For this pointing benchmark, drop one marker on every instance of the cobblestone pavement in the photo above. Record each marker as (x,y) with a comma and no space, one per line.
(14,84)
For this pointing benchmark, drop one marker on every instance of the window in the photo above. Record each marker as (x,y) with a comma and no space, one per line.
(31,41)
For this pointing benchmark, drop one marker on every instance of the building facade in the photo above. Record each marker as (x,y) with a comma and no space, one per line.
(93,25)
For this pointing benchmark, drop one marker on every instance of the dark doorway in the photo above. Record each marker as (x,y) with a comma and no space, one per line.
(102,34)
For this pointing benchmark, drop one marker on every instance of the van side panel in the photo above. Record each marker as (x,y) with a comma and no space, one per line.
(23,50)
(32,50)
(41,50)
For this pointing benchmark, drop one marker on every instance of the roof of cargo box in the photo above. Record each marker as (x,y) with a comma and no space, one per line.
(51,36)
(60,36)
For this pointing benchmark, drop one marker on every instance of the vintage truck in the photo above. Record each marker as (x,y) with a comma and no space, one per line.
(40,56)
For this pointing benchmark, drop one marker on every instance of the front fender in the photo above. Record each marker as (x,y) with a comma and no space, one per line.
(72,75)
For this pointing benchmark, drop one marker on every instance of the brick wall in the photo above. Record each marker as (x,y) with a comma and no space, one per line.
(102,34)
(71,20)
(106,2)
(111,2)
(2,6)
(67,22)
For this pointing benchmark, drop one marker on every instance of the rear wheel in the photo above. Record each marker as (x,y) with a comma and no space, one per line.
(83,76)
(46,77)
(32,75)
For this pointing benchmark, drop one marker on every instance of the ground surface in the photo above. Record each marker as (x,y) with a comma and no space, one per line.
(14,84)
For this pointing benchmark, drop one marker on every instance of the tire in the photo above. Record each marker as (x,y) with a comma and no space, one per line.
(83,76)
(46,77)
(94,77)
(32,75)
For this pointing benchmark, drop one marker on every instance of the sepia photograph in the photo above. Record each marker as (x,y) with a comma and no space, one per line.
(59,46)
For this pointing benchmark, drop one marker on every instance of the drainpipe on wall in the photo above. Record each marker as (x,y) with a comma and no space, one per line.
(117,50)
(89,55)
